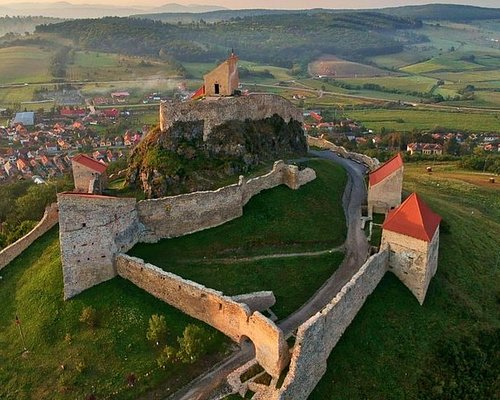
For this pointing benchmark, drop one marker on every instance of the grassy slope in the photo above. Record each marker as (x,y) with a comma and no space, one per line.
(308,219)
(275,221)
(32,288)
(393,340)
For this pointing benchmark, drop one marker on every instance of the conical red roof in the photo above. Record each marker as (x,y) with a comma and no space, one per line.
(386,169)
(413,218)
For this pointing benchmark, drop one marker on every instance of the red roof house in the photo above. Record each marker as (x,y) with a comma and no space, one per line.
(382,172)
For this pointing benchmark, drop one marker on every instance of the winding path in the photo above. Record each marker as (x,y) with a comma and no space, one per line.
(357,251)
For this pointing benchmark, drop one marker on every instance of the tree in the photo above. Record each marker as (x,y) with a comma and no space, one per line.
(193,343)
(157,329)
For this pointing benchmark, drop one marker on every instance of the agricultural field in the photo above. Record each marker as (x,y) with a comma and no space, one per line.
(412,83)
(24,65)
(409,119)
(336,67)
(95,66)
(396,348)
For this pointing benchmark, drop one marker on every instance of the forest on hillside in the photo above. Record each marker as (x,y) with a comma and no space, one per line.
(282,40)
(21,25)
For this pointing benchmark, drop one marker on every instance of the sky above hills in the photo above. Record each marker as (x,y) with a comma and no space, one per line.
(288,4)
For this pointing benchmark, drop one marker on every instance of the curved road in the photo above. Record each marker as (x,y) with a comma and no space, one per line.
(357,251)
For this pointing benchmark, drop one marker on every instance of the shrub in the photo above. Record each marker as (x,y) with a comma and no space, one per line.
(167,356)
(157,329)
(193,343)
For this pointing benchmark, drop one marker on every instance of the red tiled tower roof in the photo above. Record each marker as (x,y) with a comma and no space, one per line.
(386,169)
(413,218)
(90,163)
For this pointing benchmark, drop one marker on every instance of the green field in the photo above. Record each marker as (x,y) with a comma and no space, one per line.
(68,359)
(409,119)
(24,65)
(413,83)
(392,349)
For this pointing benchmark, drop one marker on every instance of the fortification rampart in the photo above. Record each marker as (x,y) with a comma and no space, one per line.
(187,213)
(49,220)
(216,112)
(235,319)
(371,163)
(318,336)
(92,229)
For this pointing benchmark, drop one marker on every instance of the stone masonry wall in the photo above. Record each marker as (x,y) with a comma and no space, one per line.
(92,230)
(371,163)
(412,260)
(318,336)
(187,213)
(49,220)
(235,319)
(216,112)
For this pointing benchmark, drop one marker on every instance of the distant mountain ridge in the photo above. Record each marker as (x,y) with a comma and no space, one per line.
(64,9)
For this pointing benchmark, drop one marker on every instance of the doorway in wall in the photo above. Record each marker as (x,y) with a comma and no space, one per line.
(217,88)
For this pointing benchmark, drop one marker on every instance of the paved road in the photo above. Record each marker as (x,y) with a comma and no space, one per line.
(357,249)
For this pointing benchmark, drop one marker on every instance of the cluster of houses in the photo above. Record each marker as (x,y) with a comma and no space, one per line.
(40,150)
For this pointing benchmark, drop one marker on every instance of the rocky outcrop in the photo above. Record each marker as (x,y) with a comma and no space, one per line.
(202,143)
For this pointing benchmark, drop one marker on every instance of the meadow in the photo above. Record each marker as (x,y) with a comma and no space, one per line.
(409,119)
(24,64)
(396,348)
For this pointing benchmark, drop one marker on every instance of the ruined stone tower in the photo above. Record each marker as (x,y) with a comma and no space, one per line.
(411,234)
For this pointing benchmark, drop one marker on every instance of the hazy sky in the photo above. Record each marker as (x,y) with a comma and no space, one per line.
(290,4)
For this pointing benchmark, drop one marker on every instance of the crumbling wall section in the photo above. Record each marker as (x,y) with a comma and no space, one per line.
(216,112)
(235,319)
(317,337)
(49,220)
(371,163)
(92,230)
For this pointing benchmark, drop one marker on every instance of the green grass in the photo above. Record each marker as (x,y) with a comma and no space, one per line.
(408,119)
(31,287)
(405,83)
(392,342)
(24,65)
(292,280)
(280,220)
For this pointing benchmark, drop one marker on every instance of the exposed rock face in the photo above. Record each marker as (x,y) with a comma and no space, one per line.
(194,152)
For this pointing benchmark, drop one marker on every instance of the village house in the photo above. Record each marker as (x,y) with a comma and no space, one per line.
(385,186)
(424,148)
(89,175)
(411,233)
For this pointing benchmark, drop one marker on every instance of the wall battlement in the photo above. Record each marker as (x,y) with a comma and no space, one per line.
(218,111)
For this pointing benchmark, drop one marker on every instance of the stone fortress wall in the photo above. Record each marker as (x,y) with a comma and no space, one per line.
(317,337)
(220,110)
(49,220)
(95,230)
(187,213)
(235,319)
(371,163)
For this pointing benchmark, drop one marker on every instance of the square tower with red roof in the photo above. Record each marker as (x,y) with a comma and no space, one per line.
(411,234)
(89,175)
(385,186)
